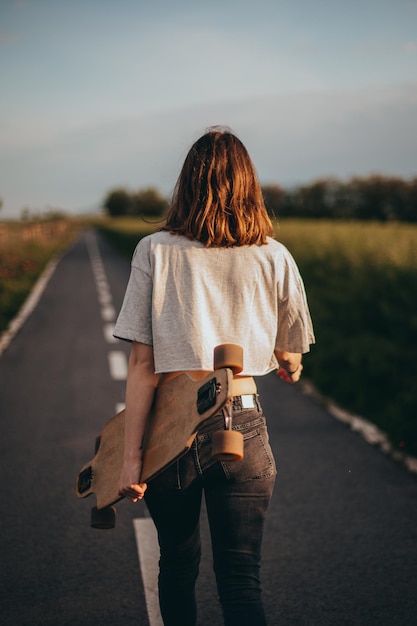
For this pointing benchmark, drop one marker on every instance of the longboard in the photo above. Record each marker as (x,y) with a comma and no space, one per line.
(180,407)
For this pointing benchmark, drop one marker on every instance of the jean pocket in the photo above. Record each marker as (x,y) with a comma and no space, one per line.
(258,460)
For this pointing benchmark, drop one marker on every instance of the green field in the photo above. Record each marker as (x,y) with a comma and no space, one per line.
(25,249)
(361,282)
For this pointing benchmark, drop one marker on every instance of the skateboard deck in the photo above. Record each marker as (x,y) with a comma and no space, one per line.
(180,407)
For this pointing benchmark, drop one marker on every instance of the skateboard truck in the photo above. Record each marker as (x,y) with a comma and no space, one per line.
(206,397)
(227,444)
(85,478)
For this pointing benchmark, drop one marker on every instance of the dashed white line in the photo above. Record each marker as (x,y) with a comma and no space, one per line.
(145,532)
(148,552)
(108,313)
(104,296)
(118,365)
(108,333)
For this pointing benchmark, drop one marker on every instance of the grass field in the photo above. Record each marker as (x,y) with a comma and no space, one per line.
(361,283)
(25,249)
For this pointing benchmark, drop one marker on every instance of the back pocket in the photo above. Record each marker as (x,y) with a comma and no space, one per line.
(258,460)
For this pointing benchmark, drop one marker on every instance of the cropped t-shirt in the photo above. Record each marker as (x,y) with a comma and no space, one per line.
(184,298)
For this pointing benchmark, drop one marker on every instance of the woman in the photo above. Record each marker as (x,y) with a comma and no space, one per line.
(212,275)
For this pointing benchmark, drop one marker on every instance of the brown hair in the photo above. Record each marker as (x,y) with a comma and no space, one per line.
(218,199)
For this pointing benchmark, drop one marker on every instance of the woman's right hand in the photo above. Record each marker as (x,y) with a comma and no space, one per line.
(288,377)
(290,366)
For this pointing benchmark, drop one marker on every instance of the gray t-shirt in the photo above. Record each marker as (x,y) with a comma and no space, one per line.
(184,299)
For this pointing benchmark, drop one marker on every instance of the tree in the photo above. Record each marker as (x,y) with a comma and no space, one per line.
(274,199)
(410,210)
(118,202)
(313,198)
(149,202)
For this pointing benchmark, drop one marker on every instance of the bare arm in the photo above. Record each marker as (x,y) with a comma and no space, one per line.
(290,365)
(140,390)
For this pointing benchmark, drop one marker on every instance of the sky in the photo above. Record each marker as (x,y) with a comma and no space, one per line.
(97,94)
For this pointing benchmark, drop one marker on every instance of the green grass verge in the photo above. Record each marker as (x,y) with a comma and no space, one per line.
(125,232)
(25,250)
(361,285)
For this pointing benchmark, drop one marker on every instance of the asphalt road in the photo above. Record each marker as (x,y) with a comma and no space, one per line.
(340,545)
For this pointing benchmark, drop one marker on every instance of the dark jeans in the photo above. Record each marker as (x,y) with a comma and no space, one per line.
(237,495)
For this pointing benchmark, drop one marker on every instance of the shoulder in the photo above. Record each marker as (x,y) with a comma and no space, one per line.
(153,239)
(276,249)
(163,238)
(162,246)
(148,244)
(281,258)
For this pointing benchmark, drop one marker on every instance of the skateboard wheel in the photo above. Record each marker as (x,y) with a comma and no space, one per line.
(103,518)
(227,445)
(228,355)
(97,444)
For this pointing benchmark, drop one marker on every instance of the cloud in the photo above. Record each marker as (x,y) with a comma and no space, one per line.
(410,47)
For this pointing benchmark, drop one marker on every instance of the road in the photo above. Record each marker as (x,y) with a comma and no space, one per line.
(340,545)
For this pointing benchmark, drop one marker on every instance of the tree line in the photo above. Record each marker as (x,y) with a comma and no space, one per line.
(374,197)
(148,202)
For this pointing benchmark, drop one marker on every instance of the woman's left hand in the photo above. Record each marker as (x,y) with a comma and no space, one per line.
(129,485)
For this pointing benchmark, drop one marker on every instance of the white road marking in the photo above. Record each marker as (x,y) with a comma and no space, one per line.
(99,267)
(29,304)
(118,365)
(104,296)
(368,431)
(108,313)
(148,552)
(108,333)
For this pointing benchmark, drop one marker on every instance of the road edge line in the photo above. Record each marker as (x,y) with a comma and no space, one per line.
(29,304)
(367,430)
